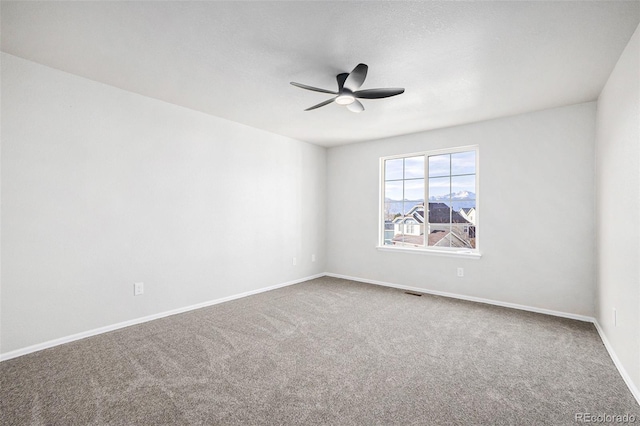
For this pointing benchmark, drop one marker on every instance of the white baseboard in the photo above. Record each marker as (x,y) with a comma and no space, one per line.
(105,329)
(469,298)
(625,376)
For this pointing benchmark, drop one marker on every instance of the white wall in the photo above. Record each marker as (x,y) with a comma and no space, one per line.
(102,188)
(618,208)
(536,212)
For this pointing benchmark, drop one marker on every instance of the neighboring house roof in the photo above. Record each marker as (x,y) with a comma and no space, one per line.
(408,219)
(409,239)
(446,239)
(439,213)
(418,214)
(437,238)
(469,214)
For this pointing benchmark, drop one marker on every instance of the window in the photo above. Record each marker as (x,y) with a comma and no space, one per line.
(448,221)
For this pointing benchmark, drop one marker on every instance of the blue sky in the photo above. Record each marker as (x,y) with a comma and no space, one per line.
(448,173)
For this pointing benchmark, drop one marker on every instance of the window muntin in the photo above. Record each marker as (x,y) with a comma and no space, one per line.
(450,220)
(403,190)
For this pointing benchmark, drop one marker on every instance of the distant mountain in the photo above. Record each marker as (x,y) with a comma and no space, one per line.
(455,196)
(461,199)
(396,206)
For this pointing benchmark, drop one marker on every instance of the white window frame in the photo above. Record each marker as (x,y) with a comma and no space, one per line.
(446,251)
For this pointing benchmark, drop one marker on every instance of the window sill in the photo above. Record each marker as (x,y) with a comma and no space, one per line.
(458,254)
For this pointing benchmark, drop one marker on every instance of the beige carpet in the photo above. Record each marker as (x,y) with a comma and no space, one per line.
(327,351)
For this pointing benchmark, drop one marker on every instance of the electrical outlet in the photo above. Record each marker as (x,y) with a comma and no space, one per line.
(313,257)
(615,317)
(295,261)
(461,272)
(138,289)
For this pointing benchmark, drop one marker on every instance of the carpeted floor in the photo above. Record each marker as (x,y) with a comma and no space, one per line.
(327,351)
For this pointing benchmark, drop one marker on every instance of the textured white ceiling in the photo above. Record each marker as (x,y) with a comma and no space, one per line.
(459,62)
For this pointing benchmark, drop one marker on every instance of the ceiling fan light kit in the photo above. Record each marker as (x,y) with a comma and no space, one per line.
(345,99)
(348,93)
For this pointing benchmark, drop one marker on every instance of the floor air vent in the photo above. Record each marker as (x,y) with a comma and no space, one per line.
(412,293)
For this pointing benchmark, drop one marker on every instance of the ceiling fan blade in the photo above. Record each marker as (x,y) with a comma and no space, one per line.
(356,106)
(356,77)
(378,93)
(321,104)
(341,79)
(315,89)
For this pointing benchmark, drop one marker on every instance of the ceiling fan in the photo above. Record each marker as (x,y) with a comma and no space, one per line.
(348,93)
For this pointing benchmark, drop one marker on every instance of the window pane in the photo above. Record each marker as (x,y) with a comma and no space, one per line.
(393,169)
(388,231)
(459,238)
(463,187)
(464,211)
(439,165)
(393,191)
(410,207)
(398,231)
(414,167)
(416,213)
(414,190)
(463,163)
(439,213)
(439,189)
(392,209)
(463,230)
(407,233)
(439,236)
(414,236)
